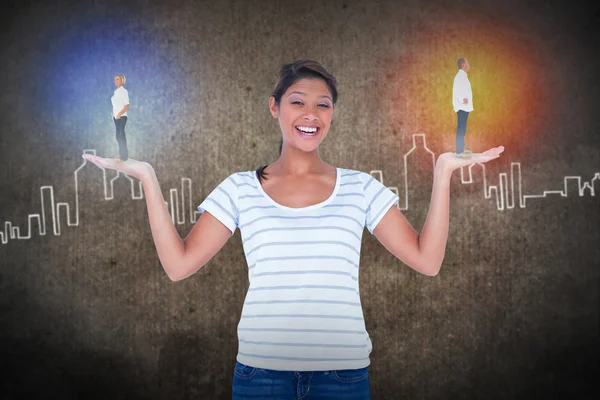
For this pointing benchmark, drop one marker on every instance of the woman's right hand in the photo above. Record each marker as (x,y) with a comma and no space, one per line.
(131,167)
(180,258)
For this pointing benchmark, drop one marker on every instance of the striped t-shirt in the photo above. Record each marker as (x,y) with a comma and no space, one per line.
(302,311)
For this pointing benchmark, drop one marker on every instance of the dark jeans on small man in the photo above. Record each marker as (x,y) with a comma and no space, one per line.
(256,383)
(121,139)
(461,130)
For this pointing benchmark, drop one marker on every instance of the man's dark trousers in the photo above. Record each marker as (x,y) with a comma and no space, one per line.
(121,139)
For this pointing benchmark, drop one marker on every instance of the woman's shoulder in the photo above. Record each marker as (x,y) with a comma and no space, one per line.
(244,174)
(352,173)
(352,178)
(241,177)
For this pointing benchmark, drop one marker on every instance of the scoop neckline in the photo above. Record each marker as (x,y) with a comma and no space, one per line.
(311,207)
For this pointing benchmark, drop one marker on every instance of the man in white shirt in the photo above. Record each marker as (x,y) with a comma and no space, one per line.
(462,100)
(120,105)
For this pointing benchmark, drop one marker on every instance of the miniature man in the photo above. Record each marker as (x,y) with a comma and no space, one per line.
(462,100)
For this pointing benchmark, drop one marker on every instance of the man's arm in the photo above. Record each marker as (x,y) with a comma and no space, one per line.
(461,89)
(124,95)
(122,111)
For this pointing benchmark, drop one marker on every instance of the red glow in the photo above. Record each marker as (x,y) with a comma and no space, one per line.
(506,77)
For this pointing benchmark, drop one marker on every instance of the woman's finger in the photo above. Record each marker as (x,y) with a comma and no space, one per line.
(99,161)
(486,157)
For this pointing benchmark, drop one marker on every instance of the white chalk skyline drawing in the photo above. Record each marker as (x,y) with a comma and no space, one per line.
(178,201)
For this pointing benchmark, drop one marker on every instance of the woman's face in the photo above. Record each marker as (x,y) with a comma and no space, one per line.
(304,113)
(118,81)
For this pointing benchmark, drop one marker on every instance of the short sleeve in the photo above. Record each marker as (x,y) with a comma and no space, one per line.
(125,97)
(378,200)
(222,203)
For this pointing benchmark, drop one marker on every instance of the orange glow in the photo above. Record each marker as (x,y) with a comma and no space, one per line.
(506,77)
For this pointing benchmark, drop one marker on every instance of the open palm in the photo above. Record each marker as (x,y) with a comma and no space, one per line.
(452,162)
(131,167)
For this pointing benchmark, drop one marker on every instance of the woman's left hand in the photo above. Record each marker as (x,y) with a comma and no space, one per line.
(449,161)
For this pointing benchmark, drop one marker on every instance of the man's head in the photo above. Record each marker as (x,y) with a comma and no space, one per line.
(463,64)
(119,80)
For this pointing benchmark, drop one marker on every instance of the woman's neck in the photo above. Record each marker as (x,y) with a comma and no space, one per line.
(296,162)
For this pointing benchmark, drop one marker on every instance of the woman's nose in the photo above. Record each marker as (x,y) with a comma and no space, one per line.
(310,117)
(310,114)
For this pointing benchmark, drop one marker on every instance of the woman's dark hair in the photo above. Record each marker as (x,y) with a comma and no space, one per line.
(287,76)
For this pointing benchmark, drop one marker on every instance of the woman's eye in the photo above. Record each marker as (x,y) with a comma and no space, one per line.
(324,105)
(296,102)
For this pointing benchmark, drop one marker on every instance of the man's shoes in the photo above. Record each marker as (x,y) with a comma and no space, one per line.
(464,155)
(468,151)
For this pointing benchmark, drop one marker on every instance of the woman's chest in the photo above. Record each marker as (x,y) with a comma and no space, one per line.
(300,193)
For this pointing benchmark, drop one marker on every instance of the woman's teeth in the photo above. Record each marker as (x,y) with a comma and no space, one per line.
(307,130)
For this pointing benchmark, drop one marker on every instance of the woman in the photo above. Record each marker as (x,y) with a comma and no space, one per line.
(120,105)
(302,331)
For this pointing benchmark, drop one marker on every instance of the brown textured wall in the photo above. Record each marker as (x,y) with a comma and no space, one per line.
(89,313)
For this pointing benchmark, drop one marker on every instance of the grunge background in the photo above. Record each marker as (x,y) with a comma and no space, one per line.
(85,309)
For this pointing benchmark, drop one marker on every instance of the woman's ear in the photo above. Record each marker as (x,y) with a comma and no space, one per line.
(273,107)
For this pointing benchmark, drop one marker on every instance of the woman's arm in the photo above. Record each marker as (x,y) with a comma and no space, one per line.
(425,252)
(122,111)
(179,258)
(434,235)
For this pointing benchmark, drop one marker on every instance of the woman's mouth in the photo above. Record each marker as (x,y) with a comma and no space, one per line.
(307,131)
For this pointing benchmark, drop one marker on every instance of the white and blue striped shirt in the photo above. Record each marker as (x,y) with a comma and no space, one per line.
(302,311)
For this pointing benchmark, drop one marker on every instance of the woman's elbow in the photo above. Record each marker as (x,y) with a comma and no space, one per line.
(433,272)
(174,274)
(430,270)
(174,278)
(181,271)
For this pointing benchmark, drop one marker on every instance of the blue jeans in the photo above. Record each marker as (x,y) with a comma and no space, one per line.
(256,383)
(461,130)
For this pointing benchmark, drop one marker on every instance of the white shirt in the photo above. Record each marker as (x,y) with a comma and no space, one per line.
(302,311)
(462,90)
(119,100)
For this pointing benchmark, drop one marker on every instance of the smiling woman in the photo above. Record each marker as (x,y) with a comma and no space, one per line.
(313,76)
(302,326)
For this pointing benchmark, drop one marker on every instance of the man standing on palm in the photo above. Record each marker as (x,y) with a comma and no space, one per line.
(462,100)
